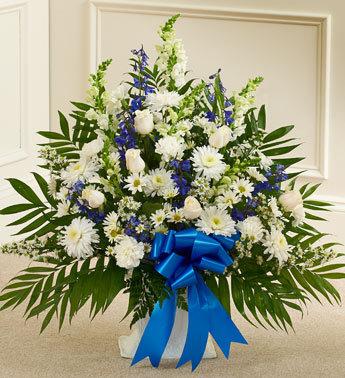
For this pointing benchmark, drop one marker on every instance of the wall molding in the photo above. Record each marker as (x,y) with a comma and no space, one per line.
(21,152)
(321,21)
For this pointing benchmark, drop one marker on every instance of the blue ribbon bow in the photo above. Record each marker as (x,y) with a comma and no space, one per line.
(179,256)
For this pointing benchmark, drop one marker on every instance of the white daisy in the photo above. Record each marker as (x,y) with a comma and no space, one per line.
(170,148)
(227,199)
(251,228)
(170,193)
(158,180)
(84,170)
(135,183)
(243,187)
(128,252)
(158,217)
(176,216)
(253,172)
(214,220)
(160,100)
(207,161)
(111,228)
(78,238)
(276,245)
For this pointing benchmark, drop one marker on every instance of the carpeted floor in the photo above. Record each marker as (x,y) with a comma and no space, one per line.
(85,349)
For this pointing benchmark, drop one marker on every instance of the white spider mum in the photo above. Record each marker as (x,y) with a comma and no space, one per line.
(276,245)
(111,228)
(243,187)
(158,180)
(251,228)
(78,238)
(170,148)
(207,161)
(214,220)
(85,170)
(135,183)
(128,252)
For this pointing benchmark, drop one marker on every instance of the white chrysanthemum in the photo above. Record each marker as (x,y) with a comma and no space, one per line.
(111,228)
(214,220)
(251,228)
(227,199)
(158,181)
(253,172)
(158,217)
(84,170)
(176,216)
(272,203)
(128,252)
(208,162)
(170,193)
(170,148)
(135,183)
(160,100)
(78,238)
(63,208)
(276,245)
(243,187)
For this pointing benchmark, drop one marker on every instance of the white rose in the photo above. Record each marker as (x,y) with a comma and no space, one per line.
(221,137)
(290,200)
(92,148)
(143,121)
(192,208)
(134,162)
(299,214)
(94,197)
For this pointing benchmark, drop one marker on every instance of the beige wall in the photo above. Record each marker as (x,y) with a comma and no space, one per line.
(298,46)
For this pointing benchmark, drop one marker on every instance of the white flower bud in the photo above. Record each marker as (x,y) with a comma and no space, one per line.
(220,138)
(192,208)
(299,214)
(290,200)
(95,198)
(143,121)
(134,162)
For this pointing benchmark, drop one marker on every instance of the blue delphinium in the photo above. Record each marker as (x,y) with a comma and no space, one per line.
(180,181)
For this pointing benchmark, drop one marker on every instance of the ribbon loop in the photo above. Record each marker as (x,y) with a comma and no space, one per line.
(180,255)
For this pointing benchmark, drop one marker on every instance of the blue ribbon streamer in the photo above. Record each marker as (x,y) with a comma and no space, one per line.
(179,256)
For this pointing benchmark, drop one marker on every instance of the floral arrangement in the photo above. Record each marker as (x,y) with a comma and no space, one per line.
(172,191)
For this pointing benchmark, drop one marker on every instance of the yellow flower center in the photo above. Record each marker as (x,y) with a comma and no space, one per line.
(136,183)
(241,189)
(216,223)
(209,161)
(158,180)
(74,234)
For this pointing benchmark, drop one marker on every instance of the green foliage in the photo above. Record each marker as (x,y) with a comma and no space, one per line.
(64,289)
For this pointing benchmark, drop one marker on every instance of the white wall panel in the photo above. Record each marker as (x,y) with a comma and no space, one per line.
(24,99)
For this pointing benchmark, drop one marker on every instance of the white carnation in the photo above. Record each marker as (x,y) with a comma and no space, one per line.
(170,148)
(160,100)
(128,252)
